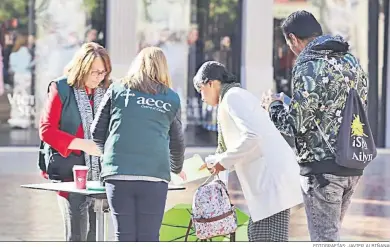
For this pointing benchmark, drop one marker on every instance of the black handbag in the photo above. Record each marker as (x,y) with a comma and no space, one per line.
(55,165)
(50,161)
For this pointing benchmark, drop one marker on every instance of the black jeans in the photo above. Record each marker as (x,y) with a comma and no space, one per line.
(137,209)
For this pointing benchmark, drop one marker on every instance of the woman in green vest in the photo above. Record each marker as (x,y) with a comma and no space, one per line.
(139,131)
(64,130)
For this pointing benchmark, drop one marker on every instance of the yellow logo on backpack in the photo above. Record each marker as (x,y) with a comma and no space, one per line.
(357,127)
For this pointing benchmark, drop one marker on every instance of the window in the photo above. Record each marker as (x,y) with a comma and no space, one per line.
(348,18)
(215,34)
(62,26)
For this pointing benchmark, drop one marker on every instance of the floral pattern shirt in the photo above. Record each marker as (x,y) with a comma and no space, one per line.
(321,79)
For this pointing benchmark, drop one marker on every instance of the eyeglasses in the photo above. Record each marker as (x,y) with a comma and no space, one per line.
(97,73)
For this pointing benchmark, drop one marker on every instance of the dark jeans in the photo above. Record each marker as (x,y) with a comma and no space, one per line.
(79,218)
(137,209)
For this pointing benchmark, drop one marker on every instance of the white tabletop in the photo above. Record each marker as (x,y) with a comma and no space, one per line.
(70,187)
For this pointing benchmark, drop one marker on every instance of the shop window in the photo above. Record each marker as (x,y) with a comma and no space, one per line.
(62,26)
(38,38)
(347,18)
(16,63)
(215,34)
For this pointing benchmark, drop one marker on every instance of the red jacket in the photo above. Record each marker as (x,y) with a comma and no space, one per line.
(49,131)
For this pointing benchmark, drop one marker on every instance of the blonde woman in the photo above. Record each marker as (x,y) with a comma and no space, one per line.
(64,128)
(138,127)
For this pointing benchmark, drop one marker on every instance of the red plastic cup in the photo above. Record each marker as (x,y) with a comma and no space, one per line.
(80,176)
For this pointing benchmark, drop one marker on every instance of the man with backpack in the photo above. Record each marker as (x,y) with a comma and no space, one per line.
(327,117)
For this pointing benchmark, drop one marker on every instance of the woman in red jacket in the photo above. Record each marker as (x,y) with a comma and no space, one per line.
(71,104)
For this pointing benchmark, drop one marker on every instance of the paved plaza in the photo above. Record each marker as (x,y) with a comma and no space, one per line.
(28,215)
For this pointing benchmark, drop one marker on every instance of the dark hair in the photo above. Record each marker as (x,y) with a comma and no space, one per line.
(302,24)
(212,70)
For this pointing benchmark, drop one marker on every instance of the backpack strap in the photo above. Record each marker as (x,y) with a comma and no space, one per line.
(357,76)
(208,179)
(216,218)
(324,137)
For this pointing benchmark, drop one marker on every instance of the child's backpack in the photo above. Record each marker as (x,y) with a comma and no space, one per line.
(212,212)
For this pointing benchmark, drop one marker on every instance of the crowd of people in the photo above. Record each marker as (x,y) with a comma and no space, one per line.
(128,133)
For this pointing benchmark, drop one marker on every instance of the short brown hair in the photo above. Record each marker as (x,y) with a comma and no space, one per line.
(80,66)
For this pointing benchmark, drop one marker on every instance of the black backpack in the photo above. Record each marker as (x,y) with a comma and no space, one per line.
(355,146)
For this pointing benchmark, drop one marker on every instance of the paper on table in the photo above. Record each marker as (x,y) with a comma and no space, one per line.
(191,167)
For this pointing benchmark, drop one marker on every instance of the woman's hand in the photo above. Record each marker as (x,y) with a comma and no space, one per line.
(216,169)
(183,175)
(91,148)
(213,166)
(88,146)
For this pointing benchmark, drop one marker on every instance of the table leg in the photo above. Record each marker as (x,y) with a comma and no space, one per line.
(99,220)
(105,226)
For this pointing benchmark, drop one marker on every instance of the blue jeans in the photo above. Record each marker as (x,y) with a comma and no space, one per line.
(137,209)
(327,198)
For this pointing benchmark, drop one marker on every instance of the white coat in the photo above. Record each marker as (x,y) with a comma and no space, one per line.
(265,164)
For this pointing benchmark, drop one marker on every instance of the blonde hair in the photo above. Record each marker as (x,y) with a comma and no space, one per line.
(78,69)
(149,72)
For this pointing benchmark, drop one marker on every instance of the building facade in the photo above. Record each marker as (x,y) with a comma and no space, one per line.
(242,34)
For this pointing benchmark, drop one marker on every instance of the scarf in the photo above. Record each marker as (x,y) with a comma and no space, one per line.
(87,115)
(221,142)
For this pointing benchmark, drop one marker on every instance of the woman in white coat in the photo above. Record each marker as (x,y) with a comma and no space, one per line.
(250,143)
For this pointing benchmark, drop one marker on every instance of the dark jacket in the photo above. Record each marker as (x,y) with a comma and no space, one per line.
(319,80)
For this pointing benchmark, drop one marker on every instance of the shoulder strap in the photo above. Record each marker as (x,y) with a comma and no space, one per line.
(324,137)
(357,76)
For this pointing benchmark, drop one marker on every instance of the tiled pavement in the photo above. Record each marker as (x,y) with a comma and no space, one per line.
(34,216)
